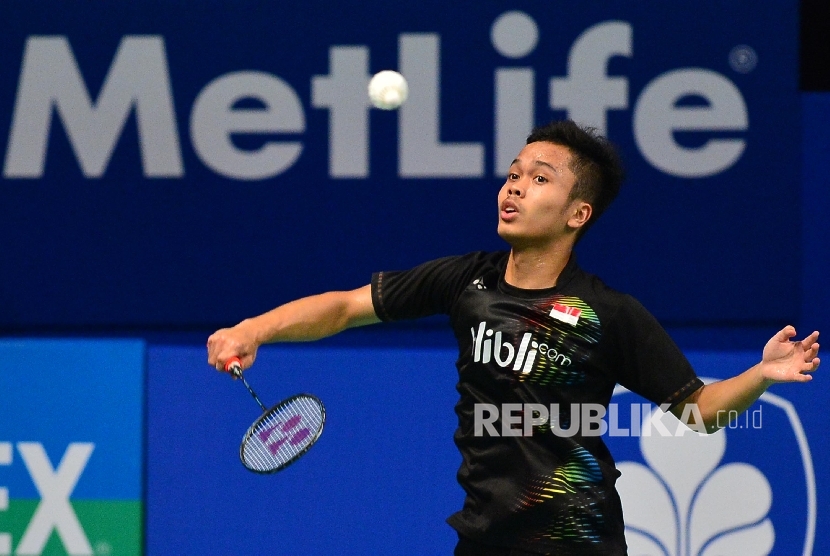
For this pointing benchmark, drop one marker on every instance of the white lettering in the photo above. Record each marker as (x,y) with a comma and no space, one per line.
(557,358)
(214,119)
(488,348)
(5,459)
(479,421)
(138,82)
(477,338)
(514,34)
(593,423)
(138,79)
(654,420)
(587,92)
(343,92)
(500,346)
(511,414)
(614,422)
(757,423)
(657,117)
(555,421)
(514,114)
(420,152)
(484,349)
(55,486)
(690,420)
(531,358)
(536,414)
(520,356)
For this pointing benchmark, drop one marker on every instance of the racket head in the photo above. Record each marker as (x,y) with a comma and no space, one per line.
(283,434)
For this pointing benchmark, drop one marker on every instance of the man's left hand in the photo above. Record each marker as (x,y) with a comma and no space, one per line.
(790,361)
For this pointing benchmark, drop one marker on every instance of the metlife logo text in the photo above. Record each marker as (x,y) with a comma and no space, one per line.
(131,136)
(139,82)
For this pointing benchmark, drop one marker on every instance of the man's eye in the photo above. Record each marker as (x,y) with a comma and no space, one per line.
(540,179)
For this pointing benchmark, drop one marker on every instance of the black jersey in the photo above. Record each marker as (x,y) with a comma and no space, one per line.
(560,348)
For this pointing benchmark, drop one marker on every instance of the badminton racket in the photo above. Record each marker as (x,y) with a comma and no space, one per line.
(283,433)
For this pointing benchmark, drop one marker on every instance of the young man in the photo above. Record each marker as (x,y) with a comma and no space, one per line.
(533,328)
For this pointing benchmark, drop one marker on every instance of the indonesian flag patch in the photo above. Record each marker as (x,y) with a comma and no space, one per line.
(565,313)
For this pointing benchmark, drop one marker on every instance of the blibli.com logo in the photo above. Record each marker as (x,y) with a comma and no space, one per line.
(52,86)
(488,346)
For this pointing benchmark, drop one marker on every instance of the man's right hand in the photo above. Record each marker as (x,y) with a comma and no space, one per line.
(302,320)
(238,341)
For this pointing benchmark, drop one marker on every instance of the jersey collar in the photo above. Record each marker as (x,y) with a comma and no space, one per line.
(562,281)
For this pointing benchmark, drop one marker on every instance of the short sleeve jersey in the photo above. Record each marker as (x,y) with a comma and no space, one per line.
(561,348)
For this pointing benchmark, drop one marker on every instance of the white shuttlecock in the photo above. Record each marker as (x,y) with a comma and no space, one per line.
(388,90)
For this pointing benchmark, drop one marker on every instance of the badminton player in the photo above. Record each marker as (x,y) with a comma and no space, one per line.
(534,328)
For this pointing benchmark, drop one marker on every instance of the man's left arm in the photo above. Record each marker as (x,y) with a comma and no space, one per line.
(783,360)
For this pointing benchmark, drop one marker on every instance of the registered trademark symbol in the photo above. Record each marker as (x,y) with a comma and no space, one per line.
(103,548)
(743,58)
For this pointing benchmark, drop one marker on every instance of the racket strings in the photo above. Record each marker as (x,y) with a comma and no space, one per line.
(283,434)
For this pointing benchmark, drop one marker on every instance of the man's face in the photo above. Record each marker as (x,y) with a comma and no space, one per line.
(533,203)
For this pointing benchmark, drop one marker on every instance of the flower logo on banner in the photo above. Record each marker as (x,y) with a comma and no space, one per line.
(682,503)
(685,494)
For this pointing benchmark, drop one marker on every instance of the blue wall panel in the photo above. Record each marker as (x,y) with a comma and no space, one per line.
(381,479)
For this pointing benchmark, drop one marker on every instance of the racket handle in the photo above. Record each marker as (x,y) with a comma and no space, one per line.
(234,366)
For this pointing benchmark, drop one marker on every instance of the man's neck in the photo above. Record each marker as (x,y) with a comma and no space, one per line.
(535,268)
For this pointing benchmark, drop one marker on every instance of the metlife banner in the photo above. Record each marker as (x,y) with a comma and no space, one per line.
(168,164)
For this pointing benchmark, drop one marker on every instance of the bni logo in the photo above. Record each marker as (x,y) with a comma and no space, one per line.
(720,494)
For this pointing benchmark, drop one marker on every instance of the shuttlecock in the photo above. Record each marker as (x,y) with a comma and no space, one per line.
(388,90)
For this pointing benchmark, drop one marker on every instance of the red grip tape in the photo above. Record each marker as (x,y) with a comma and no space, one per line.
(232,362)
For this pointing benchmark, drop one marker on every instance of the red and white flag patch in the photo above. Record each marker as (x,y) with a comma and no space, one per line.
(565,313)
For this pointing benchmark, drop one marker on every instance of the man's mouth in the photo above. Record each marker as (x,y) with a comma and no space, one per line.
(509,210)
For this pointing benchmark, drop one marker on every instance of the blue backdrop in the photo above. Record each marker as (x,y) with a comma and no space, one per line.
(170,166)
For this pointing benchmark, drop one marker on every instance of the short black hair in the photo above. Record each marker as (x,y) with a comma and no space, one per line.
(594,161)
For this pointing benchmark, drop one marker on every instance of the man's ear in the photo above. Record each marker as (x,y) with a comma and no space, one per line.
(580,214)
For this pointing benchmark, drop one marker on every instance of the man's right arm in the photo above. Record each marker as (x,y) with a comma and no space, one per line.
(306,319)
